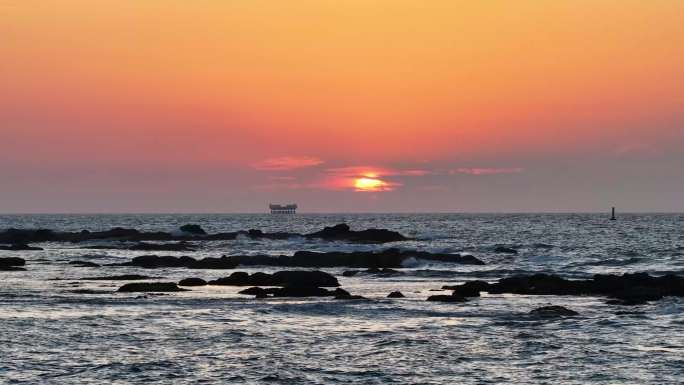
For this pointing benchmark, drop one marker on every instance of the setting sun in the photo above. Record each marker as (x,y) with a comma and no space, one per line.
(371,184)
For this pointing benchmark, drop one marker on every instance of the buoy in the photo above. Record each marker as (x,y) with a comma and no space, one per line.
(612,217)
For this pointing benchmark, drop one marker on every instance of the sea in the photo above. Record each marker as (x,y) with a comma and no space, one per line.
(53,333)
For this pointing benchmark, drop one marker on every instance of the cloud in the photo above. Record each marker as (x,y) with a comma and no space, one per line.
(374,171)
(365,178)
(486,171)
(287,163)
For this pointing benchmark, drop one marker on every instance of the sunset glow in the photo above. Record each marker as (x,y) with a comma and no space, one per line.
(225,105)
(370,185)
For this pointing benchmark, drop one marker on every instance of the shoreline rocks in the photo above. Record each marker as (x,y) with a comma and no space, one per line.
(192,282)
(19,247)
(144,287)
(625,289)
(189,232)
(342,232)
(446,298)
(12,264)
(553,311)
(379,263)
(296,278)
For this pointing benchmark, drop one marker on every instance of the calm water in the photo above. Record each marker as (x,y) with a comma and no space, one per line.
(48,334)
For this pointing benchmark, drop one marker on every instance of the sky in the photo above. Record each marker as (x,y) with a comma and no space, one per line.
(341,106)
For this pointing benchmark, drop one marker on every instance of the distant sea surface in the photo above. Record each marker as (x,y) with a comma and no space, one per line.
(50,334)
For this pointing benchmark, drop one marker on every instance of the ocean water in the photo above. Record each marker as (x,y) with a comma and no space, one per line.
(211,335)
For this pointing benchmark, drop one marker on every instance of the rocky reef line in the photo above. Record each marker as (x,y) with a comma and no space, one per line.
(340,232)
(388,258)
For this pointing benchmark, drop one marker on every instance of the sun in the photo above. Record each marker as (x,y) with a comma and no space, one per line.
(370,184)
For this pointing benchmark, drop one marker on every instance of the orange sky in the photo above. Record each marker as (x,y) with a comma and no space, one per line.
(177,88)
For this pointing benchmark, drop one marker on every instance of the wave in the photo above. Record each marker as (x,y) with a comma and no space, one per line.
(610,262)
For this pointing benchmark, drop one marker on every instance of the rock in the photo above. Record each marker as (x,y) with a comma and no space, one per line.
(350,273)
(341,292)
(301,291)
(468,289)
(12,262)
(89,291)
(553,311)
(446,298)
(253,291)
(305,279)
(192,282)
(292,278)
(125,277)
(193,229)
(150,287)
(252,233)
(191,232)
(19,247)
(395,294)
(350,297)
(628,289)
(505,250)
(385,259)
(153,261)
(84,264)
(342,232)
(11,268)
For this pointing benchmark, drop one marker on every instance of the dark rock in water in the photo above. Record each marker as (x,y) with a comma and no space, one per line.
(192,232)
(12,261)
(446,298)
(125,277)
(89,291)
(150,287)
(280,278)
(12,264)
(350,273)
(554,311)
(505,250)
(16,236)
(193,229)
(253,291)
(341,292)
(291,291)
(468,289)
(11,268)
(301,291)
(84,264)
(384,259)
(192,282)
(389,258)
(19,247)
(350,297)
(395,294)
(627,288)
(638,295)
(305,278)
(343,233)
(153,261)
(252,233)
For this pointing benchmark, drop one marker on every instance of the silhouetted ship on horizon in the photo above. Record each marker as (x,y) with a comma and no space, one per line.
(283,209)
